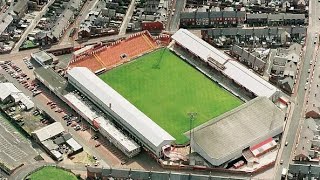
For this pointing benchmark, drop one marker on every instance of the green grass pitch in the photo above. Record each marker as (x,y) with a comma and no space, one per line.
(52,173)
(166,89)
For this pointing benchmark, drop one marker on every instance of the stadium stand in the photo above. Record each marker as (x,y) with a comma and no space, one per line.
(145,131)
(254,122)
(117,53)
(224,64)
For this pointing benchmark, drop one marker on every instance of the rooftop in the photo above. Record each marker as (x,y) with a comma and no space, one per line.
(41,56)
(103,123)
(136,121)
(49,131)
(233,69)
(54,80)
(237,129)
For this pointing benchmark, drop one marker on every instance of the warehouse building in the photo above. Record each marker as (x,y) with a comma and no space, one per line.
(43,58)
(9,92)
(45,136)
(51,138)
(224,64)
(246,127)
(142,128)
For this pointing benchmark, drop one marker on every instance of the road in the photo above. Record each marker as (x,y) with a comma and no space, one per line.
(32,25)
(174,20)
(291,132)
(127,18)
(82,15)
(41,102)
(3,15)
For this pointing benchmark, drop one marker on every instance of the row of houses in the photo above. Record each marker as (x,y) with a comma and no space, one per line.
(284,67)
(308,147)
(61,22)
(252,59)
(256,6)
(198,19)
(252,37)
(313,103)
(104,19)
(284,64)
(282,19)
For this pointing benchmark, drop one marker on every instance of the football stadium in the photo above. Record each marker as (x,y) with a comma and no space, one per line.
(147,92)
(167,89)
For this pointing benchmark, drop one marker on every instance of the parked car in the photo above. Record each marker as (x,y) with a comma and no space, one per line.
(36,93)
(95,137)
(97,145)
(77,127)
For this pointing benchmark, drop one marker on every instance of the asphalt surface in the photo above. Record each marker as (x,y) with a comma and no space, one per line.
(292,128)
(87,7)
(32,25)
(174,20)
(14,148)
(127,18)
(41,102)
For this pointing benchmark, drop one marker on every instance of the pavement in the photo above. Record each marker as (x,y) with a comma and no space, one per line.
(174,20)
(15,149)
(2,15)
(82,16)
(41,102)
(32,25)
(267,71)
(297,116)
(127,18)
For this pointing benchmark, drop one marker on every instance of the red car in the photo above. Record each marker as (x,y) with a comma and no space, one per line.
(97,145)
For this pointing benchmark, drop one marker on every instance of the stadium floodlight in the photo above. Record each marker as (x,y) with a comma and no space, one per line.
(192,116)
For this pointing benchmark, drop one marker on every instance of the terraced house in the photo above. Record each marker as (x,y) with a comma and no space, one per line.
(198,19)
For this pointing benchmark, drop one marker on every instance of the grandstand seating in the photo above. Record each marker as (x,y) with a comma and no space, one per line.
(109,57)
(92,63)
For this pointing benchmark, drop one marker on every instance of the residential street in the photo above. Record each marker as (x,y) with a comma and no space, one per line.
(174,20)
(292,127)
(65,39)
(127,18)
(32,25)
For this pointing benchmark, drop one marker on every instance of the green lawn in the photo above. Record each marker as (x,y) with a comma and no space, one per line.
(166,89)
(52,173)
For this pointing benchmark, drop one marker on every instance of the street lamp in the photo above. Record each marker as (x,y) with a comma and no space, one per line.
(192,116)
